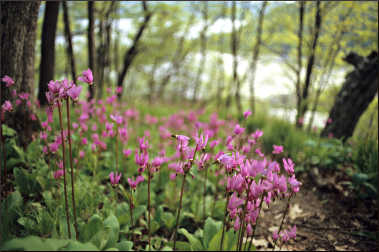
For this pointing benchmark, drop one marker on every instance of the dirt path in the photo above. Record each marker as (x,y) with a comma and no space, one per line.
(325,219)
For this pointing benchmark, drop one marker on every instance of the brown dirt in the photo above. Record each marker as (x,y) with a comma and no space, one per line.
(326,219)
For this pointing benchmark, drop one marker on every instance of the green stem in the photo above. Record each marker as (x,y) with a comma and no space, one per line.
(256,223)
(180,207)
(225,214)
(244,215)
(64,171)
(131,207)
(116,149)
(149,204)
(72,167)
(284,216)
(205,189)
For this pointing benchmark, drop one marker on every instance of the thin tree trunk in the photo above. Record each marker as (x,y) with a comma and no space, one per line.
(221,74)
(234,45)
(103,57)
(132,52)
(299,61)
(329,66)
(203,49)
(67,30)
(151,82)
(47,65)
(311,60)
(91,46)
(177,60)
(256,55)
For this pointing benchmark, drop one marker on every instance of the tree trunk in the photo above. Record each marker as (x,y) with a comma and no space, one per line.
(18,33)
(151,82)
(176,60)
(234,42)
(67,31)
(132,52)
(91,46)
(299,61)
(256,55)
(330,57)
(356,94)
(308,74)
(221,73)
(104,49)
(203,49)
(49,28)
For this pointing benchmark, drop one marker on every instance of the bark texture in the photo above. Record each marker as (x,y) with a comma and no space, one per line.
(49,29)
(91,45)
(132,52)
(67,31)
(357,92)
(18,33)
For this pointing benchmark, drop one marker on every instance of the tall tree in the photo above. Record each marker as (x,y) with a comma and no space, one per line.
(67,31)
(311,61)
(203,50)
(91,45)
(49,28)
(177,59)
(234,44)
(132,52)
(103,51)
(357,92)
(18,35)
(299,58)
(221,73)
(329,63)
(256,51)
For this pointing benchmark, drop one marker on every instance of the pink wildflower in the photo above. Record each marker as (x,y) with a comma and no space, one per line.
(247,114)
(74,92)
(277,149)
(134,184)
(257,134)
(7,106)
(116,118)
(127,152)
(87,77)
(8,80)
(238,129)
(115,178)
(59,173)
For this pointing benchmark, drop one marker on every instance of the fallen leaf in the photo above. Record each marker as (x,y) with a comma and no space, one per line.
(260,242)
(295,211)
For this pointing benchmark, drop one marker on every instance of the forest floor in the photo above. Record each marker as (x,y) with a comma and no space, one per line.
(326,217)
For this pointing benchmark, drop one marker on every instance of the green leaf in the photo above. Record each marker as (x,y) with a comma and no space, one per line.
(195,243)
(124,246)
(214,244)
(359,178)
(94,225)
(111,225)
(232,240)
(211,227)
(154,226)
(8,131)
(77,246)
(34,243)
(181,246)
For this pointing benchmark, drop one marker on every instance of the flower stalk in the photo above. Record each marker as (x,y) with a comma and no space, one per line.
(72,167)
(180,207)
(149,203)
(284,216)
(64,170)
